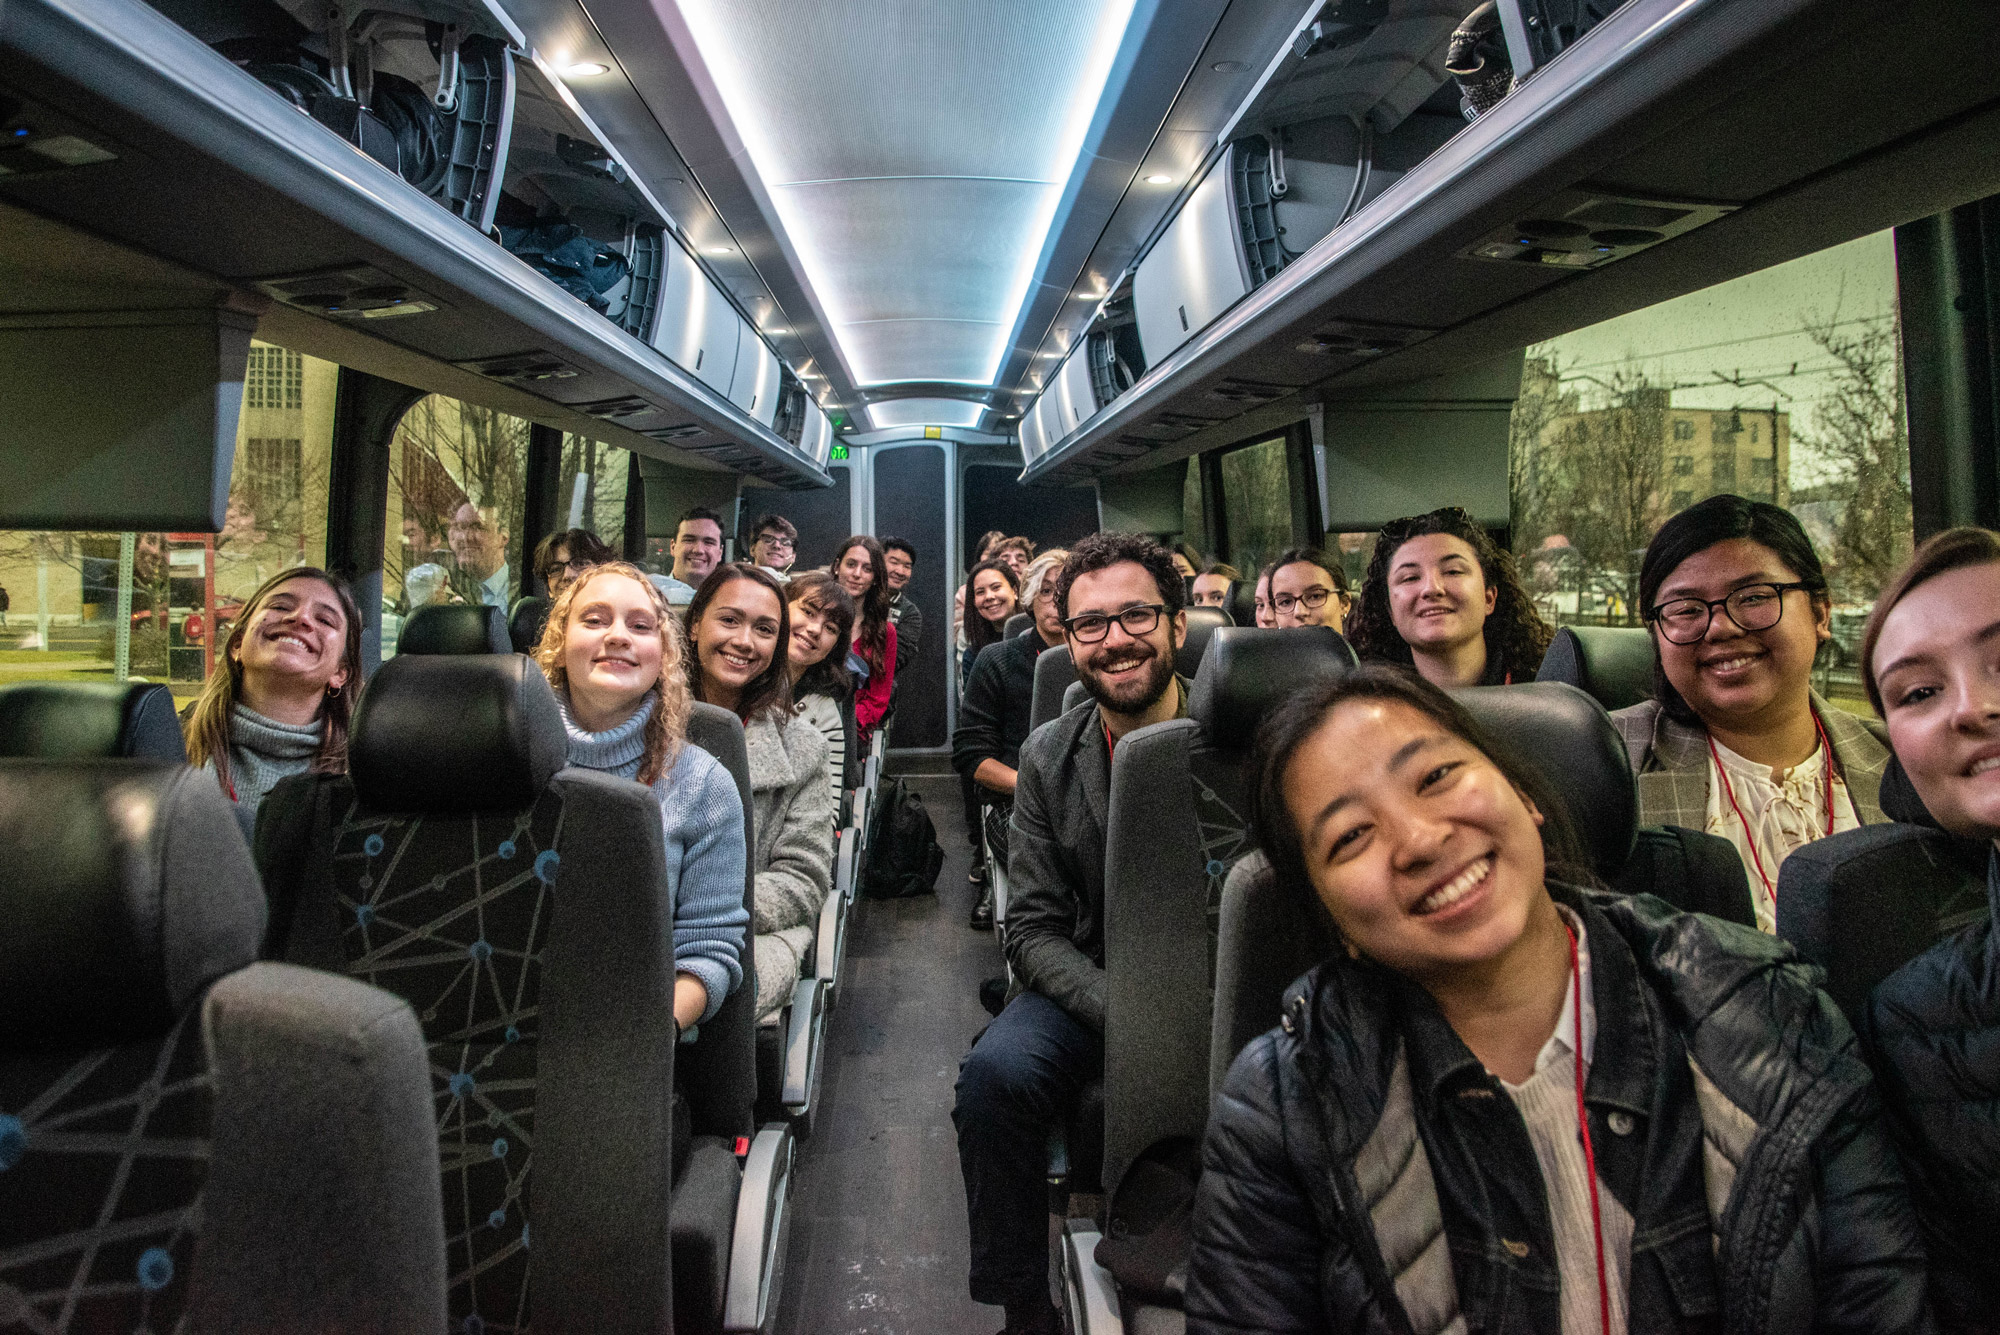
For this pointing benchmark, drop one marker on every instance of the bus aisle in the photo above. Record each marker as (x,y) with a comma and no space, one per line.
(878,1237)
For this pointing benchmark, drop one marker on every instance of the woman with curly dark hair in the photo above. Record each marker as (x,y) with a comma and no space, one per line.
(1442,597)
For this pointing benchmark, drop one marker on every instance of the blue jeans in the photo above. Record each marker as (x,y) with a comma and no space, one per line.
(1019,1082)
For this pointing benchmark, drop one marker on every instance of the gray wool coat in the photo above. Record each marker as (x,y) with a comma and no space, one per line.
(793,806)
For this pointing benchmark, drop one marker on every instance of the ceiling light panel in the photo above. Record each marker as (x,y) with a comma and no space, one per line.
(916,154)
(924,412)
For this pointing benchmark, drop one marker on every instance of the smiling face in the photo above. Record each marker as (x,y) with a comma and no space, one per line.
(1438,596)
(1126,673)
(1211,590)
(1937,666)
(772,548)
(478,540)
(1427,857)
(697,550)
(735,639)
(814,633)
(993,597)
(856,572)
(900,567)
(1293,585)
(298,631)
(1736,679)
(611,647)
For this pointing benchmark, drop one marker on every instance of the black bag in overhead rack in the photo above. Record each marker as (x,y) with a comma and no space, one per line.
(561,252)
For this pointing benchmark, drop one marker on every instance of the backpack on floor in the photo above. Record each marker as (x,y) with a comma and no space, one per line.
(904,857)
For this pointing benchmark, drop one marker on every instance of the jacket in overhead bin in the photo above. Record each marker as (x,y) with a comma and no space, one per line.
(1055,862)
(1933,1030)
(1363,1173)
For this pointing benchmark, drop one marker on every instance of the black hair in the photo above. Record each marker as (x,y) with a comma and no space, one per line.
(979,632)
(1314,556)
(770,689)
(702,512)
(902,545)
(774,524)
(1516,636)
(580,543)
(1700,527)
(829,676)
(1294,721)
(1100,550)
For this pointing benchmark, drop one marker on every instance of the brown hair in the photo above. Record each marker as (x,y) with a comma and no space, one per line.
(873,606)
(582,544)
(822,592)
(207,726)
(770,689)
(1953,549)
(979,632)
(1516,636)
(667,728)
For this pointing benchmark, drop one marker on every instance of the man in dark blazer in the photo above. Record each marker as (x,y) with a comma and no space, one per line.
(1120,599)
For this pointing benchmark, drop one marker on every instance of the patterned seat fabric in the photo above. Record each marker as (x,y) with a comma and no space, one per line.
(103,1157)
(452,913)
(1220,798)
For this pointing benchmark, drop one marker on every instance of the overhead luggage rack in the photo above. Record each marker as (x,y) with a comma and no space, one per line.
(197,161)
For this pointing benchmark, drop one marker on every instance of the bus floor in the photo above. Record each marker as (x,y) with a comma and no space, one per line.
(878,1235)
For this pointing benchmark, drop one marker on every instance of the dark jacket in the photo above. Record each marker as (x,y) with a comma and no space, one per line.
(994,717)
(908,619)
(1364,1173)
(1933,1030)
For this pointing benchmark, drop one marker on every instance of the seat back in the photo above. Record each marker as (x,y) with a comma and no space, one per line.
(1054,671)
(720,1071)
(1176,826)
(1568,739)
(520,908)
(525,622)
(1613,664)
(90,720)
(1017,623)
(190,1139)
(455,628)
(1243,602)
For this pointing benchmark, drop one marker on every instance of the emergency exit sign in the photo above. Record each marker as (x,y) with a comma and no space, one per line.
(839,452)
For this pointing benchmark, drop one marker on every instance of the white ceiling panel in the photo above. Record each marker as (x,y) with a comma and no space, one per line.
(924,412)
(916,153)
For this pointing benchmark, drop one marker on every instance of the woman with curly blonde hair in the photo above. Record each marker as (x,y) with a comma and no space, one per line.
(613,654)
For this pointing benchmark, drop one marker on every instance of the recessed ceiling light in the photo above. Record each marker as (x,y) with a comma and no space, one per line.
(585,69)
(1229,67)
(1159,178)
(721,250)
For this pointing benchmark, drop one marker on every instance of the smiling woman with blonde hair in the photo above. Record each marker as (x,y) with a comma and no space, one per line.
(612,651)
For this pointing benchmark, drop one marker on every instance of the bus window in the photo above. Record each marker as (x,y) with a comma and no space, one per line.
(457,505)
(1783,385)
(1256,503)
(592,489)
(64,597)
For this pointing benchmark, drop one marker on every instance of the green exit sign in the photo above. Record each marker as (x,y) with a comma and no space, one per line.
(839,452)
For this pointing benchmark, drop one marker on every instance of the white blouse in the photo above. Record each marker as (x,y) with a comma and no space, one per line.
(1781,811)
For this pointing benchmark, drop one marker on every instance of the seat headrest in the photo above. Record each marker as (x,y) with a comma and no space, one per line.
(1017,623)
(1570,741)
(478,732)
(1900,802)
(90,721)
(1613,664)
(455,628)
(1243,602)
(1202,623)
(1247,671)
(525,622)
(128,889)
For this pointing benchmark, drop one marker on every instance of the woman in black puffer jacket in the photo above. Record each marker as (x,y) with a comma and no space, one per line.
(1405,1153)
(1933,1027)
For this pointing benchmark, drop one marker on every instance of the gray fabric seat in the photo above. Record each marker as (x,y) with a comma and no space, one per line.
(525,622)
(1863,903)
(1055,672)
(190,1139)
(520,907)
(90,720)
(1613,664)
(1016,624)
(455,628)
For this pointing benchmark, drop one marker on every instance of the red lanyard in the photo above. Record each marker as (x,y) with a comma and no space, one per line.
(1583,1131)
(1729,791)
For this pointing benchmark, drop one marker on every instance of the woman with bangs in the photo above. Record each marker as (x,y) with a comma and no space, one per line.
(739,632)
(281,703)
(613,654)
(860,567)
(822,619)
(1508,1101)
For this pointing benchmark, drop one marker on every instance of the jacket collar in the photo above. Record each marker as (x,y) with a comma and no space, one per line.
(770,763)
(1682,749)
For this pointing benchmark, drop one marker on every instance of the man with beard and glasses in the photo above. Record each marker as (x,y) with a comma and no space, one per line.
(1119,598)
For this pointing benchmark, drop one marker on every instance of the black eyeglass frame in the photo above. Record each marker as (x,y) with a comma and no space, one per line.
(1709,605)
(1307,598)
(1151,611)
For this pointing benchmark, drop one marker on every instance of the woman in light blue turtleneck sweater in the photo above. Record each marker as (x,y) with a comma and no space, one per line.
(611,652)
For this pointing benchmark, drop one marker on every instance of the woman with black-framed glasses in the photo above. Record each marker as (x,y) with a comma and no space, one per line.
(1735,742)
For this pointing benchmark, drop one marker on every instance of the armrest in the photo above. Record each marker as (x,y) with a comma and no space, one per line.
(828,946)
(845,862)
(802,1045)
(1090,1295)
(757,1250)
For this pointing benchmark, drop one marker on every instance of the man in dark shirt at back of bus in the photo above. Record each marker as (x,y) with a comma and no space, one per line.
(1120,600)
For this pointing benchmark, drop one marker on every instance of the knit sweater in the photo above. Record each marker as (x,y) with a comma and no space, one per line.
(792,814)
(261,752)
(701,819)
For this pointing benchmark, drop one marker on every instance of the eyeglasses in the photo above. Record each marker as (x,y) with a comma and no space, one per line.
(1138,622)
(554,568)
(777,542)
(1313,599)
(1752,607)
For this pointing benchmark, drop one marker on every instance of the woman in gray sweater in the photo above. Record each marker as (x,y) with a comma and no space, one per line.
(739,630)
(280,699)
(612,653)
